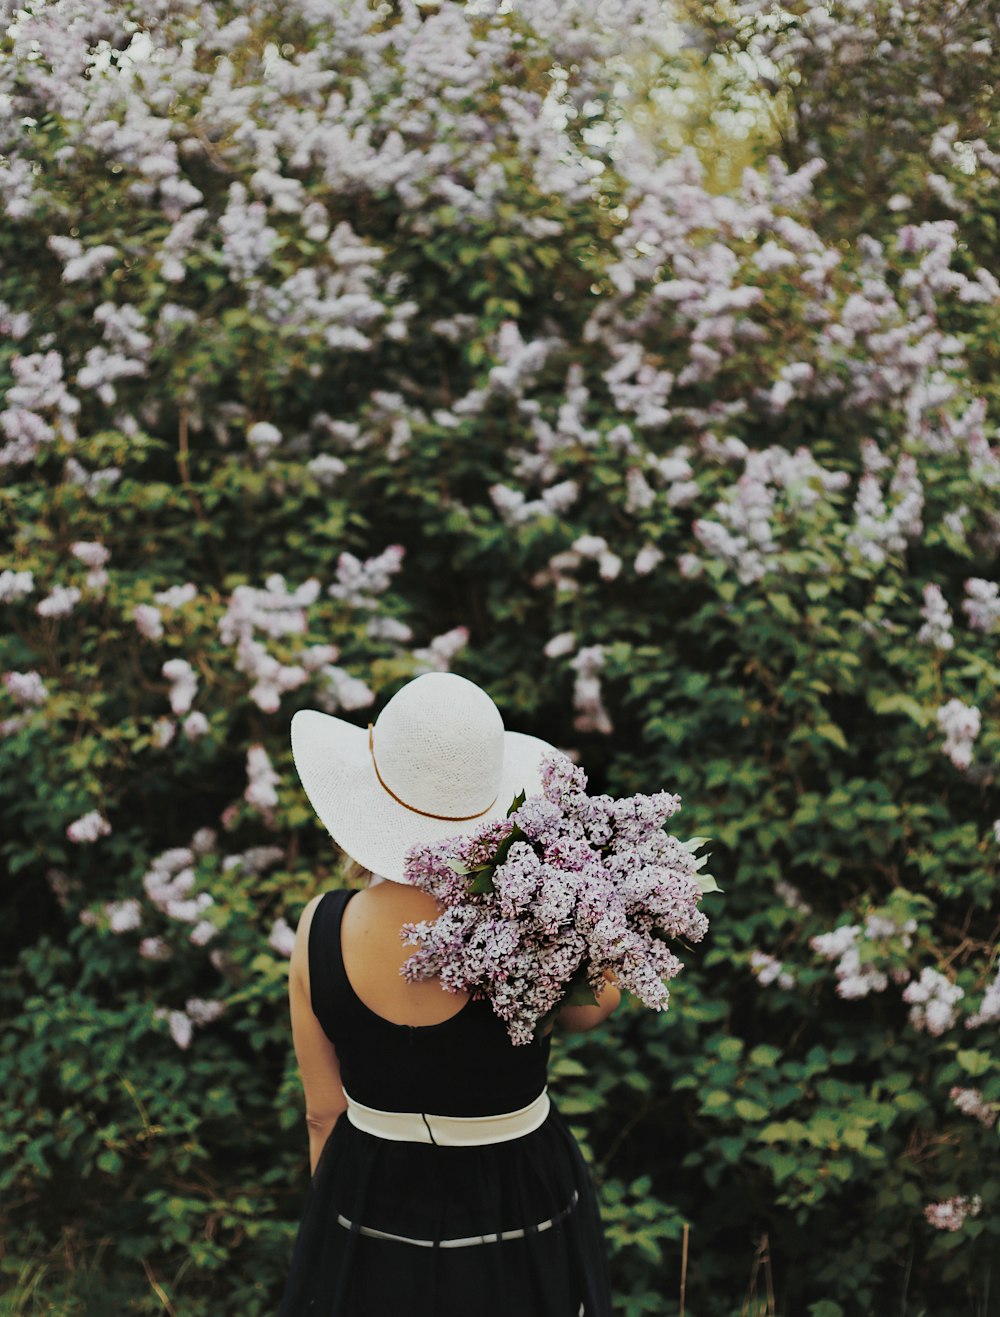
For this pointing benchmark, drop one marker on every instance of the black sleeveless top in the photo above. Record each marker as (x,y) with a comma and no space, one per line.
(391,1226)
(464,1066)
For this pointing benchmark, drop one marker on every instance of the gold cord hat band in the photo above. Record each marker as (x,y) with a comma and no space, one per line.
(447,818)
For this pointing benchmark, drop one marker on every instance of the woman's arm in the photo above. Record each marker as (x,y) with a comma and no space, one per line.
(575,1018)
(317,1058)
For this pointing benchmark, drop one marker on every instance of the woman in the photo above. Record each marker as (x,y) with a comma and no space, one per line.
(444,1182)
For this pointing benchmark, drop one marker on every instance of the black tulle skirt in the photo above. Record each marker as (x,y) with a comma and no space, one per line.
(386,1230)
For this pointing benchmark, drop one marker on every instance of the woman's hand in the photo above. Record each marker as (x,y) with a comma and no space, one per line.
(574,1019)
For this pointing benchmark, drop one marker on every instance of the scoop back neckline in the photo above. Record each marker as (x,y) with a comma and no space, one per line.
(392,1024)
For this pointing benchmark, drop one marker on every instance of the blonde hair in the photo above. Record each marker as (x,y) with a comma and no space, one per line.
(354,874)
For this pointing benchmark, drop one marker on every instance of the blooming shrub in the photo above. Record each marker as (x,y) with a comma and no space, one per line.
(340,342)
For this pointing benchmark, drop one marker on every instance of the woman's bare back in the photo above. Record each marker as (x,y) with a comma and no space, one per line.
(373,953)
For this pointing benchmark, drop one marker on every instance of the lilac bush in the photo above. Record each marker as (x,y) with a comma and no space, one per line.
(340,342)
(573,888)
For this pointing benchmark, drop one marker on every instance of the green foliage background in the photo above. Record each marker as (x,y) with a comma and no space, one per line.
(794,713)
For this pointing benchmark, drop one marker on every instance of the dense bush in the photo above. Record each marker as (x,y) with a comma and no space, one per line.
(343,342)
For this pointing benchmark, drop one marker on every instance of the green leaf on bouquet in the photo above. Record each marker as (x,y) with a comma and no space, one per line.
(693,843)
(516,803)
(482,883)
(456,867)
(502,850)
(707,883)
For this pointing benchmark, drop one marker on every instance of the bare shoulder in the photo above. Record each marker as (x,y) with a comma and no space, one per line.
(389,904)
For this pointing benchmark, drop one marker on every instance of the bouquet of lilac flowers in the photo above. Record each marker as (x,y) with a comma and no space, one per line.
(539,906)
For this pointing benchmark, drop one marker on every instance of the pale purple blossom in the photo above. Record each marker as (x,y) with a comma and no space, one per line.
(588,703)
(387,628)
(950,1214)
(123,916)
(989,1007)
(960,724)
(26,688)
(148,621)
(647,559)
(586,885)
(326,468)
(769,969)
(177,595)
(358,583)
(15,585)
(88,828)
(338,689)
(263,437)
(188,911)
(203,1011)
(438,655)
(971,1102)
(262,780)
(81,264)
(181,1027)
(204,840)
(856,973)
(981,603)
(936,629)
(560,645)
(155,948)
(183,684)
(195,726)
(90,553)
(59,602)
(282,937)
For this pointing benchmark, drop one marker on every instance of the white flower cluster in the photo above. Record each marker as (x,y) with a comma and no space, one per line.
(282,937)
(857,977)
(358,583)
(950,1214)
(197,1012)
(59,602)
(960,724)
(262,781)
(591,715)
(81,264)
(26,688)
(277,612)
(982,603)
(933,1001)
(742,533)
(15,585)
(971,1102)
(183,684)
(769,969)
(989,1007)
(88,828)
(516,508)
(149,617)
(339,690)
(878,531)
(168,883)
(936,629)
(438,655)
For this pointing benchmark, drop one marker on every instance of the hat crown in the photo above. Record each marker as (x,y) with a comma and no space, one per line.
(439,746)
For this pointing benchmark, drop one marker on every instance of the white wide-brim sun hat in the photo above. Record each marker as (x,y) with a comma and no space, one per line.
(437,762)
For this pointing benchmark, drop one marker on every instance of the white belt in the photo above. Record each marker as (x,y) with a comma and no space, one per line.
(448,1131)
(464,1241)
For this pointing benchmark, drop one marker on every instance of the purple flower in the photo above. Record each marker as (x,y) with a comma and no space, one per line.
(568,884)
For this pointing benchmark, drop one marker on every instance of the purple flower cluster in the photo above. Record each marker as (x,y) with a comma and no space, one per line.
(538,906)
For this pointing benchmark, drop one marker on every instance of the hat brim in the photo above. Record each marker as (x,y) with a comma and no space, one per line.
(337,773)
